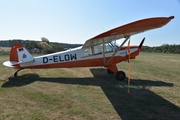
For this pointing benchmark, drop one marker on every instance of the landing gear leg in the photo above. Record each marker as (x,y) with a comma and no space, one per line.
(120,75)
(16,73)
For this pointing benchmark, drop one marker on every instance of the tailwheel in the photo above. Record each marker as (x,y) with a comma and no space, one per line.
(109,71)
(16,73)
(120,75)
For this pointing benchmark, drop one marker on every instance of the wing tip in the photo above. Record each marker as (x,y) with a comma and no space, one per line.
(171,17)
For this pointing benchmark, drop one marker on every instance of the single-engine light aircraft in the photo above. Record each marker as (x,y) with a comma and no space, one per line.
(100,50)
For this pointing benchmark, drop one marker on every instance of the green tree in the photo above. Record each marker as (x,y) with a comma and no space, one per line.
(177,51)
(56,47)
(164,48)
(32,44)
(43,39)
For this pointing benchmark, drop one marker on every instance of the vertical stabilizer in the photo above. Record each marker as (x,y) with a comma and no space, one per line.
(20,54)
(13,52)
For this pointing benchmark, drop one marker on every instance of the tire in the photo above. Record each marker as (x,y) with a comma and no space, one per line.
(109,71)
(120,75)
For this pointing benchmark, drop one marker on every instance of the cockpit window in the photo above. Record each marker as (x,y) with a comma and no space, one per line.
(109,47)
(98,49)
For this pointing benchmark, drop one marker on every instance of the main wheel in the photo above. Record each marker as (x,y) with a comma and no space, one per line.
(109,71)
(120,75)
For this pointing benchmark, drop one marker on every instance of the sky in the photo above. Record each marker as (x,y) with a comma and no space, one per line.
(75,21)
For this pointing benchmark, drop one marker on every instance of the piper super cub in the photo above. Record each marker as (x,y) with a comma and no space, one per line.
(100,50)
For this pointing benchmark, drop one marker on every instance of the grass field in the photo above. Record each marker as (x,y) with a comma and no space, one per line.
(90,93)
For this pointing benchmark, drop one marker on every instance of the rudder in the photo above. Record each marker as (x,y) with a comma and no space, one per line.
(20,54)
(13,52)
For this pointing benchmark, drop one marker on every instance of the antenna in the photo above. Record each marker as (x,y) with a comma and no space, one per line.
(103,28)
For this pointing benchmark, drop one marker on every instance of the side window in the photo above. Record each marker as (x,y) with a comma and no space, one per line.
(87,51)
(97,49)
(108,47)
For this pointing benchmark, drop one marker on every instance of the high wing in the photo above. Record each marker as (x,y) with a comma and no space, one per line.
(128,30)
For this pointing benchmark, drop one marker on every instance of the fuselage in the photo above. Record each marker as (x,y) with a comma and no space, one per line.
(79,57)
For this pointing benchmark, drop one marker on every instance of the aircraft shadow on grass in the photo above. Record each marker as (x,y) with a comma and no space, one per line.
(140,103)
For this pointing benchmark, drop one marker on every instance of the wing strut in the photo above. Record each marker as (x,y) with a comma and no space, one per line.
(106,64)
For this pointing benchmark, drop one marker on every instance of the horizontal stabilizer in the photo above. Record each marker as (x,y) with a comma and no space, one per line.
(10,63)
(19,57)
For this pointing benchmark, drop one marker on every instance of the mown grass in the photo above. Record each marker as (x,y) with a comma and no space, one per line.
(90,93)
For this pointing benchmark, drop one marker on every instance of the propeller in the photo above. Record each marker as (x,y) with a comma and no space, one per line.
(129,57)
(128,48)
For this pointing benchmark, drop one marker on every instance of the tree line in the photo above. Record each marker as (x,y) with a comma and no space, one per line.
(165,48)
(43,47)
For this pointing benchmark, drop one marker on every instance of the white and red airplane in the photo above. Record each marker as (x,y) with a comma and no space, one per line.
(100,50)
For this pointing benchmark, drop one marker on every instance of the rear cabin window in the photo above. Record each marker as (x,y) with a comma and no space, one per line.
(87,52)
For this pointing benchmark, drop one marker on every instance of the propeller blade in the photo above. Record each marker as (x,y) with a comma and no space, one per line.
(140,45)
